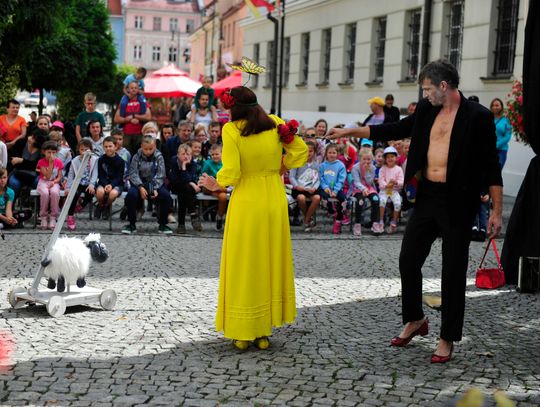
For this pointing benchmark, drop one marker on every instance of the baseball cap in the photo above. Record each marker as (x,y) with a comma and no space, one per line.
(58,124)
(377,100)
(366,142)
(390,150)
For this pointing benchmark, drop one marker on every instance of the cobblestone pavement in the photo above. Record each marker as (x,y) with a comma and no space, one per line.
(158,346)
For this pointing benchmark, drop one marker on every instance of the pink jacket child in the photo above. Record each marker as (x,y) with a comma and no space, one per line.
(50,175)
(387,174)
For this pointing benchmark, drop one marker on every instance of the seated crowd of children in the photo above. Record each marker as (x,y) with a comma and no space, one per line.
(337,172)
(167,161)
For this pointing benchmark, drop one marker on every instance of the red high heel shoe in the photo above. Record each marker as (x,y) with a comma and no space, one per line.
(442,359)
(422,331)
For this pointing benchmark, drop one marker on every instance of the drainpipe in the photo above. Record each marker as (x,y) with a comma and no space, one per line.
(274,63)
(425,38)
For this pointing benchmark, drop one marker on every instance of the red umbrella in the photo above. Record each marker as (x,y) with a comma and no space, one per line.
(170,81)
(231,81)
(169,70)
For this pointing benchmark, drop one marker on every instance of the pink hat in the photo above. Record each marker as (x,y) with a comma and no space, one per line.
(58,124)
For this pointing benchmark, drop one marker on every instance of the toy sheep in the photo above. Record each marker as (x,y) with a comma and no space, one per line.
(69,260)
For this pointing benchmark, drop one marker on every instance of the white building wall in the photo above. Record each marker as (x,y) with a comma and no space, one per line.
(347,103)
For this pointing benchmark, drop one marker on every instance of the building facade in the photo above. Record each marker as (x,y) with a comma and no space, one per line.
(218,41)
(116,19)
(339,53)
(157,32)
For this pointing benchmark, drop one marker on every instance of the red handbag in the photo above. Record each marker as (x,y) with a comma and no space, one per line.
(490,278)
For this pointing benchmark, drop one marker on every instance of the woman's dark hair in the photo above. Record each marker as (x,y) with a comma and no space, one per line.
(49,145)
(91,122)
(40,136)
(496,100)
(321,121)
(438,71)
(248,109)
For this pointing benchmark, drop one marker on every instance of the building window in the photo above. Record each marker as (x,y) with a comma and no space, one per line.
(190,25)
(270,58)
(157,24)
(379,49)
(156,53)
(455,33)
(326,44)
(137,52)
(350,50)
(138,22)
(304,59)
(173,24)
(505,48)
(413,43)
(286,60)
(256,56)
(173,52)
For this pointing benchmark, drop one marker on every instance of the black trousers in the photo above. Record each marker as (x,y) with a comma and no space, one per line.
(431,218)
(86,200)
(186,201)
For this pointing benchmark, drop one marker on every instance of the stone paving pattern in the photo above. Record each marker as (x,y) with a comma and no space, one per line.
(159,347)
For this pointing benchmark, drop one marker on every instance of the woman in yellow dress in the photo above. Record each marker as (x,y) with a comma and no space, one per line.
(256,287)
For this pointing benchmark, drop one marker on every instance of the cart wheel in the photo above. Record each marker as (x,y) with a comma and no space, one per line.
(56,306)
(12,296)
(107,299)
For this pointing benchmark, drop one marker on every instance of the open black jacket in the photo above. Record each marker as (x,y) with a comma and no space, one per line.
(473,162)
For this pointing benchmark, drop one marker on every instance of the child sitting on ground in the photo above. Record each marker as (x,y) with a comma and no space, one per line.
(333,173)
(183,182)
(363,175)
(390,183)
(50,174)
(305,182)
(111,169)
(211,168)
(88,180)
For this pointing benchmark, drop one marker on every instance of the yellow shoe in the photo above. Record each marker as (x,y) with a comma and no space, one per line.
(262,343)
(241,345)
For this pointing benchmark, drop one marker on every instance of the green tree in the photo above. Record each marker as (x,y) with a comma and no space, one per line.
(22,24)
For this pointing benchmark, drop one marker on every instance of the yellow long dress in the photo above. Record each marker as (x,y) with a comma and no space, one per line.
(256,287)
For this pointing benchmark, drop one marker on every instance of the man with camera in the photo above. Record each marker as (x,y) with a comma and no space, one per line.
(146,174)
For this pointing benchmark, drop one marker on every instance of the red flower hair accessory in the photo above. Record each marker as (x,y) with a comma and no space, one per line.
(287,131)
(227,99)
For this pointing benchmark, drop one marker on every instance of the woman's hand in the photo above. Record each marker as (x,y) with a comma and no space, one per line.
(208,182)
(16,160)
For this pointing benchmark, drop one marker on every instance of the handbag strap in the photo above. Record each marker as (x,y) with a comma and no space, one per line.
(491,243)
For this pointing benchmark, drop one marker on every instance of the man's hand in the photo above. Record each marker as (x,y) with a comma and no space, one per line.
(484,198)
(335,133)
(494,224)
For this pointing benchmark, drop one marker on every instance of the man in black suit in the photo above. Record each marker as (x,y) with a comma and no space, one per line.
(453,156)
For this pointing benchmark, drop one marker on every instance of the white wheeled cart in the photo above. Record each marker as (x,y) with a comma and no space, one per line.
(56,302)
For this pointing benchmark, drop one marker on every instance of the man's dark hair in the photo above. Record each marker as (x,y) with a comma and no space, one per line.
(473,98)
(438,71)
(13,102)
(389,97)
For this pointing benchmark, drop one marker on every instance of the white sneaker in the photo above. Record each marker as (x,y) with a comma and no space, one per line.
(44,223)
(357,229)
